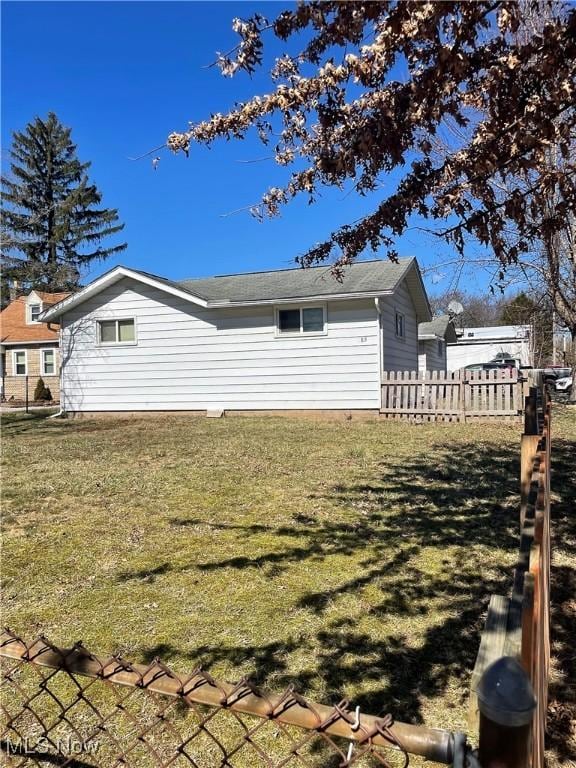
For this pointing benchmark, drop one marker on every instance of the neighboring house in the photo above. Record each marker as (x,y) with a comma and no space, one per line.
(432,340)
(480,345)
(287,339)
(29,347)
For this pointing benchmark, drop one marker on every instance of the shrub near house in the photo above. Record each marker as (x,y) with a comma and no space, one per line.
(41,391)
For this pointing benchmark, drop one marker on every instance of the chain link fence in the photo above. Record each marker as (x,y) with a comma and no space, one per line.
(21,391)
(70,708)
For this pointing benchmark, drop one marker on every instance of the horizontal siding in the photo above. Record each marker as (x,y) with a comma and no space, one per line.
(159,337)
(323,346)
(428,358)
(228,404)
(190,358)
(399,354)
(175,365)
(263,379)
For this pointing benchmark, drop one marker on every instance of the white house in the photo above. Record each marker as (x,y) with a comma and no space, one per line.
(287,339)
(432,340)
(480,345)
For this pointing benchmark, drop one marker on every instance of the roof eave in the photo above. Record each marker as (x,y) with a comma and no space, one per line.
(105,281)
(11,342)
(417,291)
(298,299)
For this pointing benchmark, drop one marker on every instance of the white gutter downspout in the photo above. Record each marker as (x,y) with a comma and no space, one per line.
(380,345)
(61,413)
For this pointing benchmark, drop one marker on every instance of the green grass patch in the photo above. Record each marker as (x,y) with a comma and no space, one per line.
(354,558)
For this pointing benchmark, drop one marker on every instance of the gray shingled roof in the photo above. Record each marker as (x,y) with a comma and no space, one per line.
(362,277)
(438,326)
(369,278)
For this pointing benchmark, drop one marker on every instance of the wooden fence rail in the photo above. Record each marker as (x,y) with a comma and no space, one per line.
(515,646)
(452,396)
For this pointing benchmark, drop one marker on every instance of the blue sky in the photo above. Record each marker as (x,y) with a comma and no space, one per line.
(123,75)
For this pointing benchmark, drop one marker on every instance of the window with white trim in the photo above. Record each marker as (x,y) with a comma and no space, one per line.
(301,320)
(48,362)
(116,331)
(20,361)
(34,311)
(400,329)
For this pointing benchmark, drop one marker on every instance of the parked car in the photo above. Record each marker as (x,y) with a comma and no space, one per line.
(555,372)
(490,366)
(482,367)
(504,360)
(563,384)
(560,388)
(500,360)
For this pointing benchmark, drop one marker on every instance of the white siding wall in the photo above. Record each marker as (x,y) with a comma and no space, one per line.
(429,359)
(399,354)
(189,358)
(465,353)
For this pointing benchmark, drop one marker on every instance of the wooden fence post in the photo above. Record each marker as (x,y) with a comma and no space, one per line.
(531,412)
(528,450)
(506,702)
(462,395)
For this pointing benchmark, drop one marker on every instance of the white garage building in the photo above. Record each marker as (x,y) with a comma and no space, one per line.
(480,345)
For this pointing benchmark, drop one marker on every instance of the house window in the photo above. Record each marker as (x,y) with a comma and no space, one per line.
(48,362)
(440,347)
(301,320)
(400,331)
(34,312)
(289,320)
(116,331)
(20,362)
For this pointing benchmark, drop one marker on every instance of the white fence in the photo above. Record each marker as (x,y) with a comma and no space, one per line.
(455,396)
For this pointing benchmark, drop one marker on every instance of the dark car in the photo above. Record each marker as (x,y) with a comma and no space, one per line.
(505,358)
(485,367)
(554,372)
(505,362)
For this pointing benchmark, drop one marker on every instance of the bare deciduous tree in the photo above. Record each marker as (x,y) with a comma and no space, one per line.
(463,65)
(363,100)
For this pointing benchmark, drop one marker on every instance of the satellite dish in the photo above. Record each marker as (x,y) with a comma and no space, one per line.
(455,308)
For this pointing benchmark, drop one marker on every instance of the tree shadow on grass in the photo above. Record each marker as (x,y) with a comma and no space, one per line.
(21,422)
(561,731)
(464,504)
(463,508)
(40,423)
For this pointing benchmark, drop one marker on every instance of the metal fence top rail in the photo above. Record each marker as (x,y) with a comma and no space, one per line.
(201,688)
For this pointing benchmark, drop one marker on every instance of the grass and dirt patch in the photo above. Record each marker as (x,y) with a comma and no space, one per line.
(354,558)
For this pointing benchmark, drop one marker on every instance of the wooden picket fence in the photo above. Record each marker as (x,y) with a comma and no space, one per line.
(455,396)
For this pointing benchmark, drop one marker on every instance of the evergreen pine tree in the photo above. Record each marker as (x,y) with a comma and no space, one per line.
(53,224)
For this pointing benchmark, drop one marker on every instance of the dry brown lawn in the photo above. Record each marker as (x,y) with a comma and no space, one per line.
(354,558)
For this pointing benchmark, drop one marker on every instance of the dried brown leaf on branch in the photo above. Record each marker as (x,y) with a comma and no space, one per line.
(375,86)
